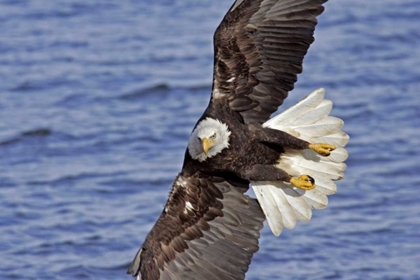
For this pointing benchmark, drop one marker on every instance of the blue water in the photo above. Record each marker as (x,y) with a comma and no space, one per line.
(97,100)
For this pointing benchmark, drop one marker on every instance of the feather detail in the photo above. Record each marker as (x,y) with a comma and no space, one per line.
(309,120)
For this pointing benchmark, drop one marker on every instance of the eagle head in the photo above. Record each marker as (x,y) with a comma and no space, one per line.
(208,139)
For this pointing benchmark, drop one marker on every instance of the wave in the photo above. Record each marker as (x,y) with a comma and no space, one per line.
(38,132)
(162,89)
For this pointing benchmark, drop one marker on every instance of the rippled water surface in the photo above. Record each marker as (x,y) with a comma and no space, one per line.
(97,100)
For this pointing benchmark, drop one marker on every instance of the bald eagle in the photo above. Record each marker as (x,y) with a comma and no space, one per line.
(209,228)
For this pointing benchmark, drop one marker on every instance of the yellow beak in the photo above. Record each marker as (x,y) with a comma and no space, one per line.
(206,144)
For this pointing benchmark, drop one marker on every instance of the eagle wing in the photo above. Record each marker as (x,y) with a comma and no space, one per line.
(209,229)
(259,48)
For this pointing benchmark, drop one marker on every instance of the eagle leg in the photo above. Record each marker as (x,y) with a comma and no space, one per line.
(284,139)
(260,172)
(322,148)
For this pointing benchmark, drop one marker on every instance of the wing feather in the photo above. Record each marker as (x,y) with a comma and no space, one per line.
(259,50)
(208,230)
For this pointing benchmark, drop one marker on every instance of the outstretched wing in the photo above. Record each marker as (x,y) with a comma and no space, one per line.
(208,230)
(259,48)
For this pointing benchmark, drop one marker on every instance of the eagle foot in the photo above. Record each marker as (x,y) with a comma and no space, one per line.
(304,182)
(322,148)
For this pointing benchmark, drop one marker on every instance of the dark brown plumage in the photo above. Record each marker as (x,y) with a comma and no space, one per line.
(262,45)
(209,228)
(214,239)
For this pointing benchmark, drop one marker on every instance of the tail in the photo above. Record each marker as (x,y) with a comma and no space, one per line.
(283,204)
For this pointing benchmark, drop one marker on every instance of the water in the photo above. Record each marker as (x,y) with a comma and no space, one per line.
(97,100)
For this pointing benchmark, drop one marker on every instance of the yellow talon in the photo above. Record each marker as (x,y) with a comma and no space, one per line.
(304,182)
(322,148)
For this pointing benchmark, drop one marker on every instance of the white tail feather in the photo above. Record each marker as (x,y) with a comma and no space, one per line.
(309,120)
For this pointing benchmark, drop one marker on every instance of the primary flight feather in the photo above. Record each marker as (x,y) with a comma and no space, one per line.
(209,229)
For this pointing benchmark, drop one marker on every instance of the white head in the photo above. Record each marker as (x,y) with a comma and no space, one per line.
(208,139)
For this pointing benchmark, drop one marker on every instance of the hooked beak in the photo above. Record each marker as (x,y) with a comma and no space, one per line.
(206,144)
